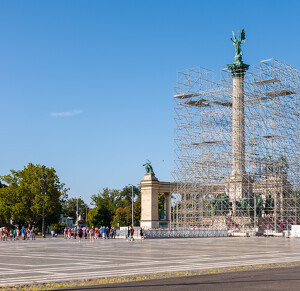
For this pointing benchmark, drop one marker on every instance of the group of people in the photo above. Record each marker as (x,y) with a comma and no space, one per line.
(92,233)
(130,233)
(17,234)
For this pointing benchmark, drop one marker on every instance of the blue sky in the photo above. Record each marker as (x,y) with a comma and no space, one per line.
(86,86)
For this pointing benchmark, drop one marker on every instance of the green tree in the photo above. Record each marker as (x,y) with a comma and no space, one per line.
(125,196)
(113,207)
(58,227)
(2,185)
(99,216)
(125,202)
(161,205)
(122,217)
(22,199)
(69,208)
(104,207)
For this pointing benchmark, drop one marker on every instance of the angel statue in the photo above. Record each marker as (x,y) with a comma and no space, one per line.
(148,168)
(237,43)
(238,68)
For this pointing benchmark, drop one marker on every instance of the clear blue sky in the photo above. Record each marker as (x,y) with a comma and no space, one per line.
(86,86)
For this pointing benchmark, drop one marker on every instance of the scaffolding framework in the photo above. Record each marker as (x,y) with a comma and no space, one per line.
(204,189)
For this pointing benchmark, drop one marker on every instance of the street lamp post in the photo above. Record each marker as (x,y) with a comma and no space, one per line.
(86,214)
(43,194)
(77,211)
(132,218)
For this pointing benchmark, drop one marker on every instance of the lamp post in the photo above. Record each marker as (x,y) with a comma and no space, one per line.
(77,212)
(43,188)
(132,218)
(86,215)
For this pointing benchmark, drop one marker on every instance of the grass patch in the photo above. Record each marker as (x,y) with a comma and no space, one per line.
(154,276)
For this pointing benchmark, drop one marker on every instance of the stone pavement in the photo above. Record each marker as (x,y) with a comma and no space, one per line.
(56,259)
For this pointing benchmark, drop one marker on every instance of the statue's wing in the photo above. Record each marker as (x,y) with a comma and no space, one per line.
(233,35)
(243,36)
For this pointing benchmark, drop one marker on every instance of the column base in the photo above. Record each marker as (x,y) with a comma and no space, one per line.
(149,224)
(239,186)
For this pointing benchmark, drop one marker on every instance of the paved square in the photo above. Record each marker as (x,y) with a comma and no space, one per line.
(59,260)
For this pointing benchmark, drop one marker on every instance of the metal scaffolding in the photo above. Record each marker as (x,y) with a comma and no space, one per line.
(207,191)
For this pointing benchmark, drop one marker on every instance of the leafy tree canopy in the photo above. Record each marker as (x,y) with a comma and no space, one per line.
(69,208)
(113,207)
(22,199)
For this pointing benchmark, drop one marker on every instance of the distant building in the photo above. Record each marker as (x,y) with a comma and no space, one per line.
(67,220)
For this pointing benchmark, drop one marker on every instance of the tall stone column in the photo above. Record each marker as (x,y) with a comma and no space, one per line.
(239,182)
(238,127)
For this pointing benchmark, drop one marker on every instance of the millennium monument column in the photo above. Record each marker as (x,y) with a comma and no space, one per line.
(239,181)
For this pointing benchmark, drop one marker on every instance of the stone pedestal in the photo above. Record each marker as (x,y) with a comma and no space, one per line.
(149,195)
(239,186)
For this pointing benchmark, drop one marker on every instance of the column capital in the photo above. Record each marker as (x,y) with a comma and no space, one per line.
(238,70)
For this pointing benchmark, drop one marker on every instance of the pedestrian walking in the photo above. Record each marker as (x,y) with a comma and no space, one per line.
(131,233)
(65,233)
(128,233)
(28,233)
(80,233)
(141,233)
(70,233)
(104,232)
(23,232)
(6,233)
(11,235)
(33,233)
(92,233)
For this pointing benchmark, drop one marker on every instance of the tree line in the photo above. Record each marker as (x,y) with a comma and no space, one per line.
(22,196)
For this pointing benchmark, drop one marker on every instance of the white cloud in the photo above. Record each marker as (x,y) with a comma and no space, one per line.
(66,114)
